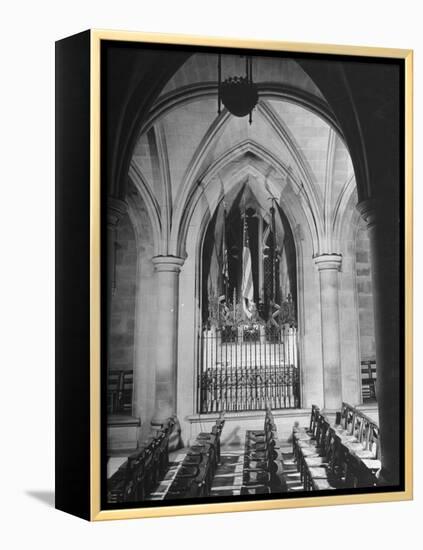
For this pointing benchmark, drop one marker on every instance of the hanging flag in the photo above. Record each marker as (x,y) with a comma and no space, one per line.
(213,278)
(222,274)
(247,275)
(225,267)
(284,282)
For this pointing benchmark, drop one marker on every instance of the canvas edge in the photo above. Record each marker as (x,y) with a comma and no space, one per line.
(97,36)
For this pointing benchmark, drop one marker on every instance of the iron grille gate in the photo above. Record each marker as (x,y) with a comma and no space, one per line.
(245,367)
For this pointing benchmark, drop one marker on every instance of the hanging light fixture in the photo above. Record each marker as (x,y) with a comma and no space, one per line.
(238,94)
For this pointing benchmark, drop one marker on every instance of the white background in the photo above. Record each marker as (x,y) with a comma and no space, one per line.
(28,32)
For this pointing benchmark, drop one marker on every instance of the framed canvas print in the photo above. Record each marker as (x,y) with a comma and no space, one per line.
(233,281)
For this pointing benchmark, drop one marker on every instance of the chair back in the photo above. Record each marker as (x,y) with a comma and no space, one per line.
(315,411)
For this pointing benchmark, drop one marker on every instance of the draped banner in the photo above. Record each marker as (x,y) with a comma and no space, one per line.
(284,276)
(247,275)
(218,272)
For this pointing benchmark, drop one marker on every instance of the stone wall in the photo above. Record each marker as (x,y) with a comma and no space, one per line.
(365,295)
(121,355)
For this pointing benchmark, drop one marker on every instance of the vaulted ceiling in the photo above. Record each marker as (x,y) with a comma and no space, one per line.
(293,133)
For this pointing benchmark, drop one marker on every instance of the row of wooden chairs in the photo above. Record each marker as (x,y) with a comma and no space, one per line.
(195,475)
(261,459)
(360,435)
(143,470)
(330,457)
(317,454)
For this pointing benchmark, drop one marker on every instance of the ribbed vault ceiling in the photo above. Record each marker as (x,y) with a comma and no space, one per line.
(186,138)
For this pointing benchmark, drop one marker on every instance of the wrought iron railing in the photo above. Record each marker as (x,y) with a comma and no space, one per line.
(246,367)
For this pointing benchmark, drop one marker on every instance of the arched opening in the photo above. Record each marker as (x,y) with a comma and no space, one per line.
(248,355)
(226,346)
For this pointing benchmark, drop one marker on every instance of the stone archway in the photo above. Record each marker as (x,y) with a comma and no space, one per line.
(190,282)
(371,130)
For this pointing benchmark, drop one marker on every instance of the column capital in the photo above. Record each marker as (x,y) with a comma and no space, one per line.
(367,210)
(116,209)
(168,263)
(328,262)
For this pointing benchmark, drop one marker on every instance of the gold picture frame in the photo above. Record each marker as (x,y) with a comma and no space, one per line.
(95,512)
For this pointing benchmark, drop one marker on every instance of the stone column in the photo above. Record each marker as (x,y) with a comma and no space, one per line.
(383,233)
(167,270)
(329,266)
(116,209)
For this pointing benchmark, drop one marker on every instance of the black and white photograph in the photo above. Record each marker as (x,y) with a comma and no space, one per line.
(211,274)
(253,260)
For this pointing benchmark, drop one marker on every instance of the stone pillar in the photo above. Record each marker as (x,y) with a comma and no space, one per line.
(383,230)
(167,269)
(116,209)
(329,266)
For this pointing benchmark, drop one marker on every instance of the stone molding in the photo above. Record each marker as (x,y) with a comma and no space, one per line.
(367,211)
(116,209)
(168,263)
(328,262)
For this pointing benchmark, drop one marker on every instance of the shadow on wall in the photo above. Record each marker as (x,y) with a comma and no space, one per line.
(233,439)
(175,439)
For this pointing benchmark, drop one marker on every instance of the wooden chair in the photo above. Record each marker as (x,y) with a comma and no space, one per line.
(269,423)
(213,437)
(195,476)
(360,435)
(202,451)
(261,458)
(130,483)
(365,460)
(192,479)
(142,482)
(307,433)
(319,471)
(143,470)
(312,453)
(306,442)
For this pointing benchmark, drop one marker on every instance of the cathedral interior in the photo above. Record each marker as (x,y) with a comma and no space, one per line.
(253,267)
